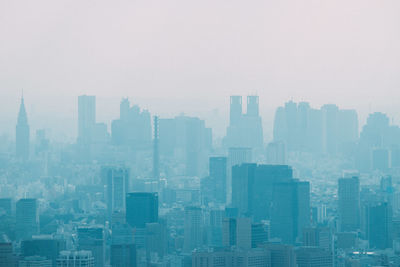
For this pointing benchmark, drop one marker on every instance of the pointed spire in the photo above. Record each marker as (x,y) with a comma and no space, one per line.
(22,117)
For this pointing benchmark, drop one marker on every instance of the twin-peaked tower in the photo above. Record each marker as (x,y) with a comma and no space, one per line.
(22,133)
(245,129)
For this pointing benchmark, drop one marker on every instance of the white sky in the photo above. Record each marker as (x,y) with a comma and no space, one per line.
(174,56)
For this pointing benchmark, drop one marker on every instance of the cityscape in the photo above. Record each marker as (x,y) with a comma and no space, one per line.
(158,191)
(212,133)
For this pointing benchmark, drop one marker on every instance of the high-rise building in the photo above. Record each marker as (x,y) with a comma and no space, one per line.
(218,174)
(244,130)
(193,228)
(259,233)
(222,257)
(380,159)
(133,128)
(377,133)
(156,150)
(22,141)
(44,246)
(75,259)
(379,225)
(122,249)
(252,188)
(7,256)
(156,239)
(188,141)
(290,210)
(123,255)
(319,236)
(237,232)
(236,156)
(141,208)
(313,256)
(281,255)
(349,204)
(27,218)
(235,109)
(91,238)
(117,180)
(329,129)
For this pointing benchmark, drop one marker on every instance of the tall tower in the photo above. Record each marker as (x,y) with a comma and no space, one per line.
(252,105)
(22,133)
(235,109)
(27,218)
(156,153)
(349,204)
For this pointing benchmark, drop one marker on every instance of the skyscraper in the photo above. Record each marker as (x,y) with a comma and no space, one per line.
(7,256)
(193,228)
(141,208)
(156,150)
(235,109)
(187,140)
(22,133)
(27,218)
(218,173)
(252,188)
(379,222)
(349,204)
(117,180)
(244,130)
(290,210)
(91,238)
(133,128)
(43,246)
(252,105)
(237,232)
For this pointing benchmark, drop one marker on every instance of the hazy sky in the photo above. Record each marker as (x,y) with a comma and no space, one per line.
(177,55)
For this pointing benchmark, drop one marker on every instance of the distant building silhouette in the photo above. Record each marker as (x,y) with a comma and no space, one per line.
(244,130)
(156,150)
(327,130)
(187,140)
(133,128)
(276,153)
(22,136)
(378,138)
